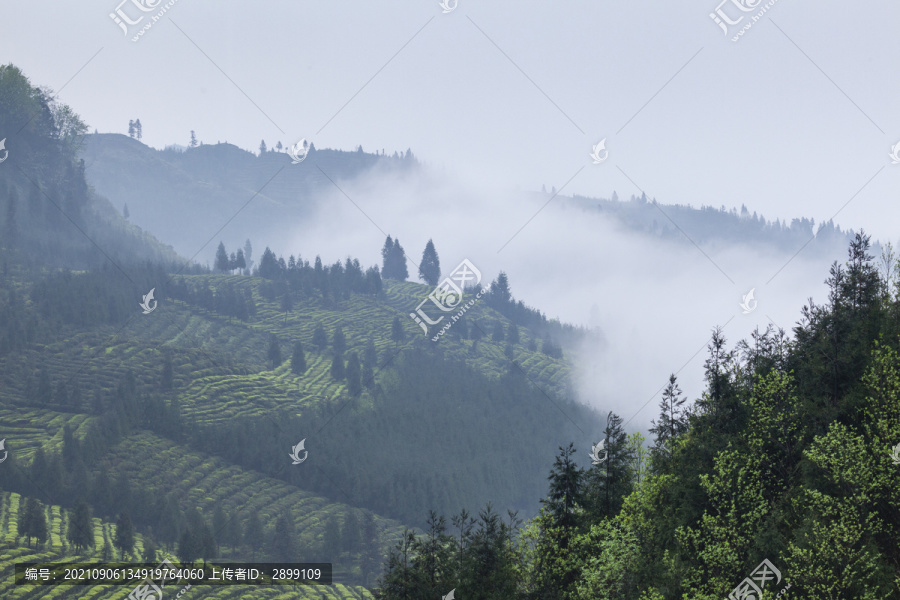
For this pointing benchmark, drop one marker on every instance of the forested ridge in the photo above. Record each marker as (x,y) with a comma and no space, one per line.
(786,457)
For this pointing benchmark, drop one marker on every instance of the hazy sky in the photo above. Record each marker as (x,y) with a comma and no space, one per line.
(795,119)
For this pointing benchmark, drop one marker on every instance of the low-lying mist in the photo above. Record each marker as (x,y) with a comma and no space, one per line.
(652,303)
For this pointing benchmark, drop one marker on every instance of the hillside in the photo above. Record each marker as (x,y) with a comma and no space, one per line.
(716,227)
(178,422)
(188,195)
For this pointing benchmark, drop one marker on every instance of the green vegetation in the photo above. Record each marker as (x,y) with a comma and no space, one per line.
(787,457)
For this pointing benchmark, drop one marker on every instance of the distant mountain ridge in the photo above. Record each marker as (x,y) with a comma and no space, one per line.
(187,196)
(713,226)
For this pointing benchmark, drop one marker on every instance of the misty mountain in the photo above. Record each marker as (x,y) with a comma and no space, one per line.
(188,196)
(716,226)
(49,215)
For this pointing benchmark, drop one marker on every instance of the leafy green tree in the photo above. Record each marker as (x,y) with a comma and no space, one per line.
(430,267)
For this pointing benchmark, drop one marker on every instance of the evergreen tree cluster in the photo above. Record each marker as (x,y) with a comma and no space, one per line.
(333,283)
(786,456)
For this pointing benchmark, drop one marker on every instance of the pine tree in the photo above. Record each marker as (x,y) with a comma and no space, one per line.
(219,524)
(248,253)
(240,261)
(253,532)
(354,375)
(350,533)
(498,335)
(150,551)
(370,354)
(320,338)
(262,147)
(338,372)
(565,488)
(500,295)
(12,226)
(221,258)
(124,539)
(273,354)
(80,532)
(398,260)
(332,539)
(338,340)
(193,142)
(168,373)
(138,129)
(387,252)
(430,267)
(397,333)
(287,303)
(672,417)
(298,359)
(284,539)
(512,334)
(131,128)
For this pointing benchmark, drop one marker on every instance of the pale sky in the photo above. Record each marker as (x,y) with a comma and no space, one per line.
(794,119)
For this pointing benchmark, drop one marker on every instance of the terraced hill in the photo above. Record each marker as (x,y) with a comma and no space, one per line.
(15,549)
(238,416)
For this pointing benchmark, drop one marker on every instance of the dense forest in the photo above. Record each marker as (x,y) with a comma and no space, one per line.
(790,456)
